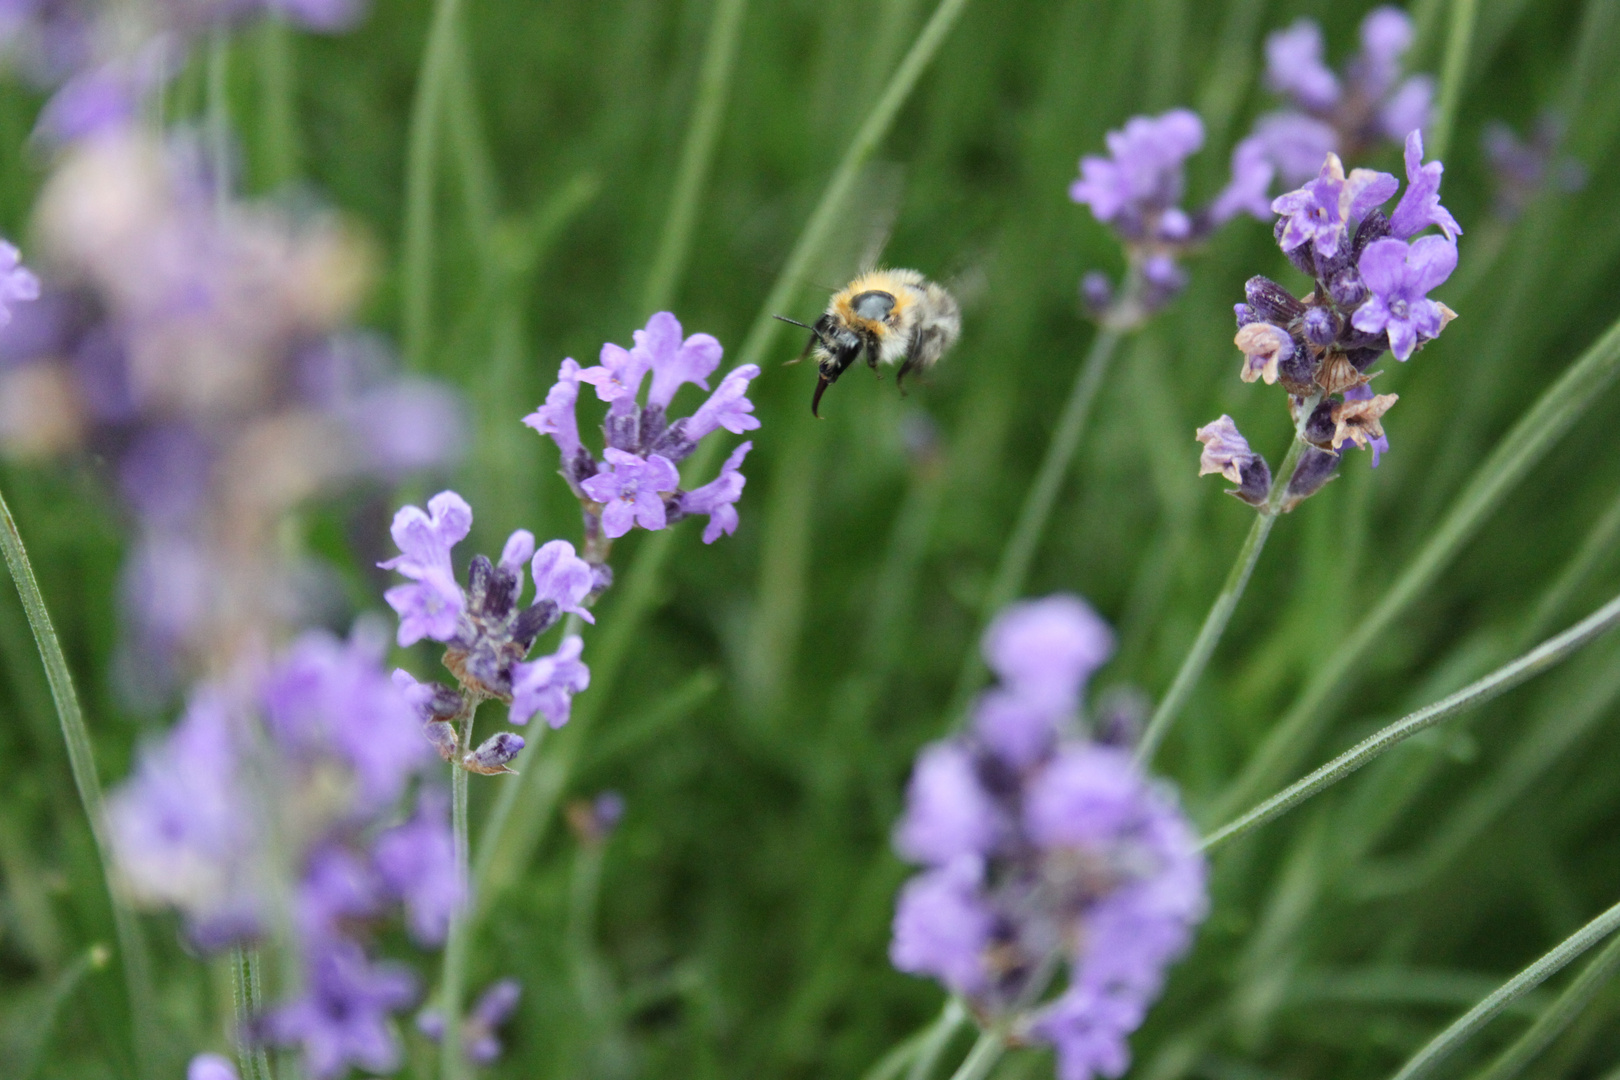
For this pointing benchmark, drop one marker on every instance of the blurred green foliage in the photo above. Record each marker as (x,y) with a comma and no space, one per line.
(764,725)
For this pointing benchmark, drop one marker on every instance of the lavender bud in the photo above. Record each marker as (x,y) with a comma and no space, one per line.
(1365,356)
(1315,468)
(533,621)
(673,443)
(1273,302)
(622,430)
(1321,327)
(1318,429)
(443,737)
(1302,256)
(1375,227)
(1121,714)
(1297,371)
(1347,289)
(1096,292)
(601,578)
(1227,452)
(1246,315)
(491,757)
(654,421)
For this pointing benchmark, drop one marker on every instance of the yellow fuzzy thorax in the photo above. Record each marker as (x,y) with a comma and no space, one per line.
(900,284)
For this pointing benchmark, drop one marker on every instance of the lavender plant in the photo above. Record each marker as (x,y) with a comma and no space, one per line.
(1043,847)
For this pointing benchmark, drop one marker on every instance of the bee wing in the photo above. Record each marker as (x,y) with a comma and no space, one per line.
(863,230)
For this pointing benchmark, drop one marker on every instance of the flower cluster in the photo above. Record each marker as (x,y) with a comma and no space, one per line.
(1137,191)
(636,482)
(270,812)
(1042,847)
(1343,114)
(486,630)
(1372,275)
(202,352)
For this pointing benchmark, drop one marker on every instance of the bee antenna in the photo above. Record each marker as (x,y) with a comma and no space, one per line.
(796,322)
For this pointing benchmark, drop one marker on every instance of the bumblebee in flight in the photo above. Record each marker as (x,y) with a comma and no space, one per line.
(897,316)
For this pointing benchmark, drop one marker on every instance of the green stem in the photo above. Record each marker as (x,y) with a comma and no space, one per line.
(81,759)
(421,187)
(1452,74)
(219,117)
(1558,1016)
(247,998)
(983,1057)
(278,117)
(1548,653)
(524,806)
(1012,569)
(1519,451)
(1531,977)
(1220,613)
(697,154)
(452,1065)
(937,1038)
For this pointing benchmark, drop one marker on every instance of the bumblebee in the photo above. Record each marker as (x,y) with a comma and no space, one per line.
(896,316)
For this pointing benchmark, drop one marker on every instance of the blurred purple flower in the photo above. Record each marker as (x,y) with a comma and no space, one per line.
(17,282)
(343,1017)
(416,862)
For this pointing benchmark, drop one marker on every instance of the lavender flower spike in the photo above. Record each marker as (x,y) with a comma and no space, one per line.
(1065,854)
(17,282)
(1144,166)
(431,607)
(1399,278)
(417,864)
(1420,202)
(632,490)
(547,686)
(1294,66)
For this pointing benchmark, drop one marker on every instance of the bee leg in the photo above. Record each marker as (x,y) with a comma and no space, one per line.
(900,376)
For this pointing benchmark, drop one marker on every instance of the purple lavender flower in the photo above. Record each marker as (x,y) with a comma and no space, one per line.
(211,1067)
(1420,202)
(333,699)
(1067,853)
(556,417)
(1343,114)
(1144,170)
(563,578)
(1137,190)
(1046,649)
(17,282)
(728,407)
(1399,277)
(632,491)
(637,482)
(943,926)
(674,362)
(343,1017)
(948,814)
(432,607)
(1523,168)
(1294,66)
(1327,210)
(547,685)
(718,498)
(1227,452)
(337,885)
(417,864)
(184,833)
(480,1043)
